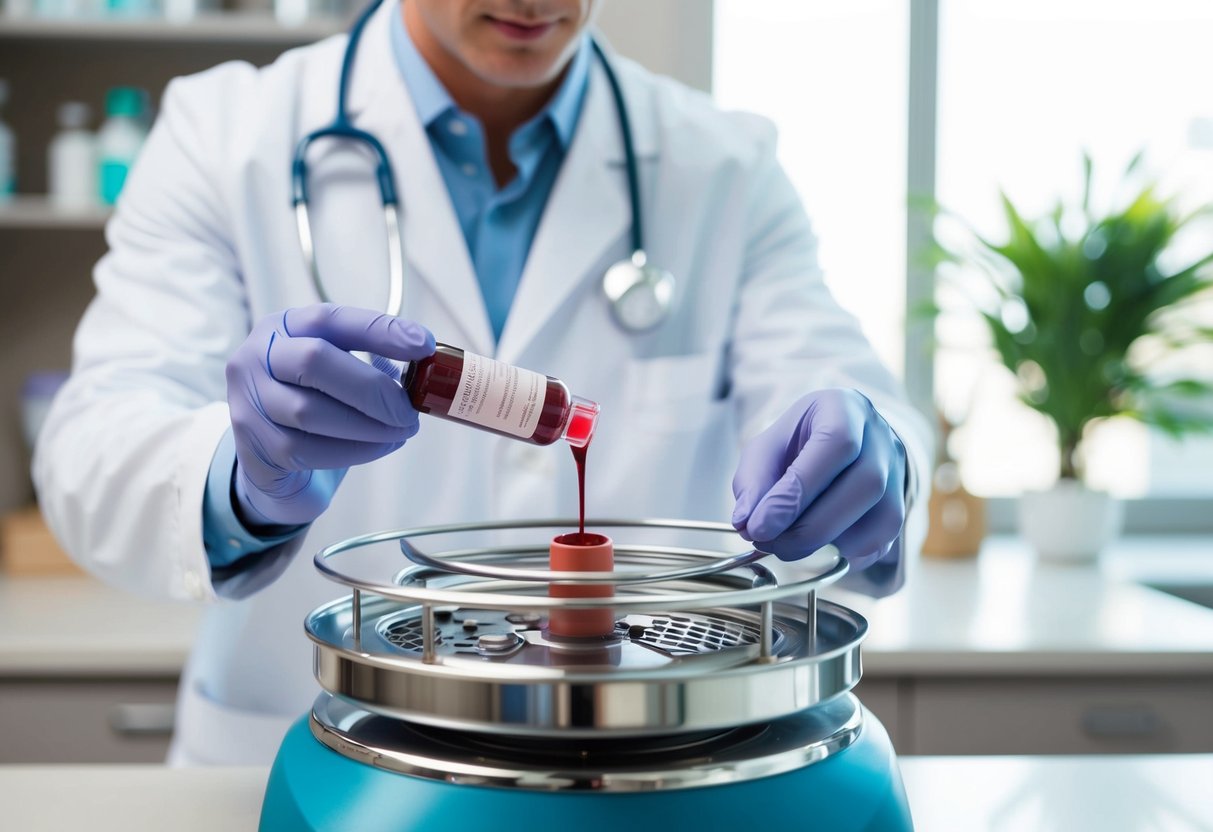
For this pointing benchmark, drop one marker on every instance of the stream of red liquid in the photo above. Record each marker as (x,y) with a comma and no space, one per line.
(579,458)
(570,556)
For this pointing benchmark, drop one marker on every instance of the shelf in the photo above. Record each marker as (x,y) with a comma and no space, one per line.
(225,28)
(37,212)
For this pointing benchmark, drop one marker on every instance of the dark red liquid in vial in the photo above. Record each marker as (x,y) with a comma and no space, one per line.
(431,384)
(582,539)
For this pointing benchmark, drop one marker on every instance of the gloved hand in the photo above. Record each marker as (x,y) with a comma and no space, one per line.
(304,409)
(830,470)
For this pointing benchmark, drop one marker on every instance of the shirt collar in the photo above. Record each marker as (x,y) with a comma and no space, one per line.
(432,100)
(565,106)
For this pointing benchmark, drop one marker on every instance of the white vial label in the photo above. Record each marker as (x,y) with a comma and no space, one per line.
(499,396)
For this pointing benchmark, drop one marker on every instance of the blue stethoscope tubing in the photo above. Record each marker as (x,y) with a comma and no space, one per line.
(640,294)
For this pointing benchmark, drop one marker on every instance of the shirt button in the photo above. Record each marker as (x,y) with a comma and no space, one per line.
(457,127)
(469,169)
(233,542)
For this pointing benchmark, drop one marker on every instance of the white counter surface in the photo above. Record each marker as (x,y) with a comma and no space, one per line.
(999,613)
(1003,612)
(965,794)
(76,625)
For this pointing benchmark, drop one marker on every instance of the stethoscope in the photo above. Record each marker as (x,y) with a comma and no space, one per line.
(640,294)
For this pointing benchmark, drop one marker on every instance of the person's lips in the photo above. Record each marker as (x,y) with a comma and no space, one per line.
(522,30)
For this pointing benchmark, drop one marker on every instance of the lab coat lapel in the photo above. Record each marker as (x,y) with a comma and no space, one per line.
(587,213)
(434,247)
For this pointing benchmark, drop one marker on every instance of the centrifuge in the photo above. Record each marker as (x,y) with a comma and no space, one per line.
(718,696)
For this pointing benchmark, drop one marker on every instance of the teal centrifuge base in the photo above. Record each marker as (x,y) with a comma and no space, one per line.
(314,789)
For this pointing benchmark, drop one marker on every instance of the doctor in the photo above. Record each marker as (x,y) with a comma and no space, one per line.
(216,425)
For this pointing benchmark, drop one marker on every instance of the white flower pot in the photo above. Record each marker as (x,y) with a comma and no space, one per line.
(1069,523)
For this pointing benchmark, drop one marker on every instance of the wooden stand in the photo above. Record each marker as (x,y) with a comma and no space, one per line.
(27,546)
(957,518)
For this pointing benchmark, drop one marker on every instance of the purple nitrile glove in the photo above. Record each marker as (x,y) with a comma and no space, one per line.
(830,470)
(304,409)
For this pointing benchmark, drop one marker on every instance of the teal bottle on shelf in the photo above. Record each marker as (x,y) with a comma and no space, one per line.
(130,8)
(120,138)
(8,151)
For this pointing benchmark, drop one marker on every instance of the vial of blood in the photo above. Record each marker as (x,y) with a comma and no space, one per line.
(581,553)
(498,397)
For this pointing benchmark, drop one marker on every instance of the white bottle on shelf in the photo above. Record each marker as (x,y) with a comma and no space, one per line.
(72,159)
(298,12)
(8,151)
(183,11)
(119,139)
(59,9)
(15,9)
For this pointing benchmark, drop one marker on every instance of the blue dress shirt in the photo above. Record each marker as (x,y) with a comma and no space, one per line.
(498,224)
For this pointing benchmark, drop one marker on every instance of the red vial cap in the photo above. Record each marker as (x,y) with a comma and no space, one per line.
(582,420)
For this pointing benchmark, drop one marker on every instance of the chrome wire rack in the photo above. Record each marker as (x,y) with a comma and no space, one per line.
(705,637)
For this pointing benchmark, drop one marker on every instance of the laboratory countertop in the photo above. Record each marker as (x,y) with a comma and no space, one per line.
(1002,612)
(1006,612)
(75,625)
(1160,793)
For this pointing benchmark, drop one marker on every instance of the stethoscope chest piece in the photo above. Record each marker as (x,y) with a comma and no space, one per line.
(640,294)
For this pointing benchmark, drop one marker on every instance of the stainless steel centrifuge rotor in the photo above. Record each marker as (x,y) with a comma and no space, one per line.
(637,765)
(706,638)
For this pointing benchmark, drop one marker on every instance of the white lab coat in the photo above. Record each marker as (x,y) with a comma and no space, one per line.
(204,243)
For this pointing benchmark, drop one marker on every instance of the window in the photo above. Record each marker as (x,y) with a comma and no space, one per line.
(1024,87)
(831,74)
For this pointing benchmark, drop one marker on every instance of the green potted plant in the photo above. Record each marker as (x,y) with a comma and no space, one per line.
(1088,310)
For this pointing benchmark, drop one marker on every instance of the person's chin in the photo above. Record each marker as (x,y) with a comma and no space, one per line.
(519,72)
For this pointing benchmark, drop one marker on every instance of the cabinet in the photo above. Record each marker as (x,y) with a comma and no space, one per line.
(1146,714)
(1062,716)
(86,720)
(885,698)
(88,674)
(46,254)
